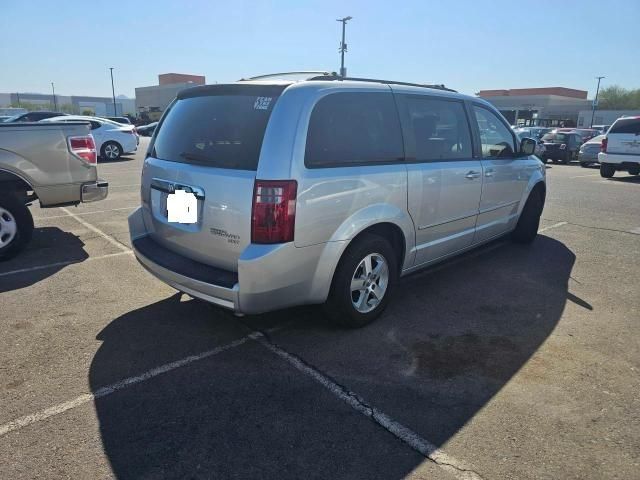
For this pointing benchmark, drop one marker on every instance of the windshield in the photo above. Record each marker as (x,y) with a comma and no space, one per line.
(556,138)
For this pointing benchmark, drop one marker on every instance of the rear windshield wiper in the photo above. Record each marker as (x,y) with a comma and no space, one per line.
(195,157)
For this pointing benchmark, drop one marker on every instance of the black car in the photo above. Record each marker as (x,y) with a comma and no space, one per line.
(561,147)
(34,116)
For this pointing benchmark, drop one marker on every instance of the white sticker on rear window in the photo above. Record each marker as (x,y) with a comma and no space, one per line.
(262,103)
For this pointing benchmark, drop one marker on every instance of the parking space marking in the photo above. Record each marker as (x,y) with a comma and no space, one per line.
(406,435)
(86,224)
(63,264)
(582,176)
(555,225)
(87,213)
(114,387)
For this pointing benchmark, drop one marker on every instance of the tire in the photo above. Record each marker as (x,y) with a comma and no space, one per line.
(634,170)
(111,150)
(529,221)
(584,164)
(16,225)
(607,170)
(341,305)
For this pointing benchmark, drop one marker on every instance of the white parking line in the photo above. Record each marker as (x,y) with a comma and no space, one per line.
(582,176)
(411,438)
(86,224)
(86,213)
(62,264)
(555,225)
(114,387)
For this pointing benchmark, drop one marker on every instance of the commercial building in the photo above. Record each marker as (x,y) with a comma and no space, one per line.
(549,106)
(152,101)
(78,104)
(603,117)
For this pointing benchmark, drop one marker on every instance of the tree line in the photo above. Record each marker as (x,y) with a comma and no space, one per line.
(618,98)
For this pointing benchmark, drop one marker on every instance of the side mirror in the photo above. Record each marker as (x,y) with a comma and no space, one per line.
(528,146)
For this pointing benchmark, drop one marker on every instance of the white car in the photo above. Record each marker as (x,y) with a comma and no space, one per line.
(620,150)
(112,139)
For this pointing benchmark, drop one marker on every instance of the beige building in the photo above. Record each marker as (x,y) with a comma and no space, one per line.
(154,100)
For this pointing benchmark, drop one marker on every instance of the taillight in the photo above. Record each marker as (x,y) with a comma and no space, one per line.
(273,214)
(603,145)
(83,147)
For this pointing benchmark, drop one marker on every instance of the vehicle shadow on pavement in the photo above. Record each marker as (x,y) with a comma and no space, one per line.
(48,246)
(449,342)
(629,179)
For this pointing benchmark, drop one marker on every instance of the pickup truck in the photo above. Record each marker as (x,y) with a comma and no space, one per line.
(54,163)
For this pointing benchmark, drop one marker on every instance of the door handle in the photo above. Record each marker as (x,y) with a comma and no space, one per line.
(472,174)
(488,172)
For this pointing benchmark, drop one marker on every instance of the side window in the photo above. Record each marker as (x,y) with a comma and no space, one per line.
(626,125)
(354,128)
(496,139)
(95,125)
(440,128)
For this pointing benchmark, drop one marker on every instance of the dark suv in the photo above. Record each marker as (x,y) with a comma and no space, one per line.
(561,147)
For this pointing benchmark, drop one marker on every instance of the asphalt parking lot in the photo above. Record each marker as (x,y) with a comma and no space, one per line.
(509,362)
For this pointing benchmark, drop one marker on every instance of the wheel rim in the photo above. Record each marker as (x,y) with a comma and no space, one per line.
(111,151)
(369,283)
(8,227)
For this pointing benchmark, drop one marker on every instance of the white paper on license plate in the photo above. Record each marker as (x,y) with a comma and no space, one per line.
(182,207)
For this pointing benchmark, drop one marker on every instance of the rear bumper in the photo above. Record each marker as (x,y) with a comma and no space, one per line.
(94,191)
(269,277)
(620,160)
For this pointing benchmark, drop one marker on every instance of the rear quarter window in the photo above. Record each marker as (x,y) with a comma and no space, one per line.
(222,128)
(354,129)
(626,125)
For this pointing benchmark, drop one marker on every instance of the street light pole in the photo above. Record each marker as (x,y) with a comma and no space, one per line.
(343,46)
(55,102)
(595,102)
(113,92)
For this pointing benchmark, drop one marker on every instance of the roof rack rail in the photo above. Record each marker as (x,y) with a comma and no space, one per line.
(312,73)
(386,82)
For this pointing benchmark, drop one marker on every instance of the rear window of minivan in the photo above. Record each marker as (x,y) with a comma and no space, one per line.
(626,125)
(219,126)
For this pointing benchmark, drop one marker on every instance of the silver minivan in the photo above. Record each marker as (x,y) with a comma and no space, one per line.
(268,193)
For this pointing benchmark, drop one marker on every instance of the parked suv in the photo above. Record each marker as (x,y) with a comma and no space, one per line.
(265,194)
(620,148)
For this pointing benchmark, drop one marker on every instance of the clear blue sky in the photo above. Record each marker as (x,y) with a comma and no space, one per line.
(468,45)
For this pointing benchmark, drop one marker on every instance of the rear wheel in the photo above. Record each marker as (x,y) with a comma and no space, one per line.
(607,170)
(363,282)
(16,225)
(634,171)
(111,151)
(529,221)
(584,164)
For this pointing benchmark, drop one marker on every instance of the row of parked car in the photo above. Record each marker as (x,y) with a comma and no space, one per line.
(113,136)
(615,147)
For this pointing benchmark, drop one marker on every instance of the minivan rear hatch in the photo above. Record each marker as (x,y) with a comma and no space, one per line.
(204,158)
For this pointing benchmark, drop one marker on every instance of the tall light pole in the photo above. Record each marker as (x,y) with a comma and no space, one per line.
(595,101)
(55,102)
(113,92)
(343,46)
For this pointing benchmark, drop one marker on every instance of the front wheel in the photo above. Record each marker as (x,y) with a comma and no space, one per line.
(634,171)
(16,225)
(607,170)
(529,221)
(363,282)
